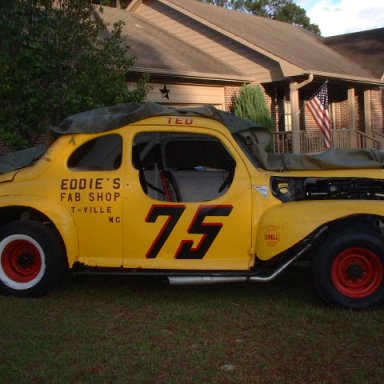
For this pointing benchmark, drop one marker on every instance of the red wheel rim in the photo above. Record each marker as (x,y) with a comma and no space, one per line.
(357,272)
(21,261)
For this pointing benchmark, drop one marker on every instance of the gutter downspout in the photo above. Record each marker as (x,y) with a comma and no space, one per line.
(294,98)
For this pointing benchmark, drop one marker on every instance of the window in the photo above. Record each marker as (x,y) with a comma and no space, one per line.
(287,116)
(102,153)
(182,166)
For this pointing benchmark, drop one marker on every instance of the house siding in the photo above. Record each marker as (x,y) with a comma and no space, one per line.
(187,94)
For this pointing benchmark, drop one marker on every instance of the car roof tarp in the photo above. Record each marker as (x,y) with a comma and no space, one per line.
(109,118)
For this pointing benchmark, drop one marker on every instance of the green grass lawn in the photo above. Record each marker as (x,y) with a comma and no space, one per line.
(125,330)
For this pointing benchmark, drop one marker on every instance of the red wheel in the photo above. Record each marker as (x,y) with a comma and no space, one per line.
(357,272)
(22,261)
(348,269)
(31,258)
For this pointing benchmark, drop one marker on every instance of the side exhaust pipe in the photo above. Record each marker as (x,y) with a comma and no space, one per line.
(203,280)
(241,278)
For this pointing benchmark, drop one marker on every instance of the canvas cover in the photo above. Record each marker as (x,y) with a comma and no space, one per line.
(19,159)
(104,119)
(331,159)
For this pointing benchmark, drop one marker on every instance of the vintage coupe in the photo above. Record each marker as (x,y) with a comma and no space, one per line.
(189,194)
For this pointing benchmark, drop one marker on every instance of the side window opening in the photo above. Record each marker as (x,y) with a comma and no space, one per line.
(182,166)
(102,153)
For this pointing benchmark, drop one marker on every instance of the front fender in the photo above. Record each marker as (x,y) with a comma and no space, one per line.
(285,225)
(56,213)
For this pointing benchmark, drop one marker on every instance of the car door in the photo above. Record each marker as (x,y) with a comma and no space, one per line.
(188,202)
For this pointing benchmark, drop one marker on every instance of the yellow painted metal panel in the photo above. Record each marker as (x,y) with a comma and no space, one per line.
(230,212)
(287,224)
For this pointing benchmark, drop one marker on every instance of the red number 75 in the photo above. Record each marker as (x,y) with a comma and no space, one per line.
(186,250)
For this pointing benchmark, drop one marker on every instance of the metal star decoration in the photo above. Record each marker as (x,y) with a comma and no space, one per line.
(165,92)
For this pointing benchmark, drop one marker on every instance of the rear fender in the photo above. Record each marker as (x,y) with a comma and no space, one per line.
(58,215)
(286,225)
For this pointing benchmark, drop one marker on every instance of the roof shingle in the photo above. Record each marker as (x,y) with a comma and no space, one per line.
(157,49)
(359,46)
(295,45)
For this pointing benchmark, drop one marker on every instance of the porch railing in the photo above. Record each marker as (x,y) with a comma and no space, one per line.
(312,141)
(368,141)
(282,142)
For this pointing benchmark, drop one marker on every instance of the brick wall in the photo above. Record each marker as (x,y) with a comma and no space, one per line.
(341,112)
(377,104)
(230,93)
(341,115)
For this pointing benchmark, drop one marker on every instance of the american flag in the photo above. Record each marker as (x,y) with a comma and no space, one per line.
(318,105)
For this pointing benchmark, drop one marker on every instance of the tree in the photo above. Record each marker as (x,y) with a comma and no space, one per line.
(282,10)
(251,105)
(288,11)
(113,3)
(56,59)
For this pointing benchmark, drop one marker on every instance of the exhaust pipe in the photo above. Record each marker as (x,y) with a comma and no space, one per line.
(217,279)
(203,280)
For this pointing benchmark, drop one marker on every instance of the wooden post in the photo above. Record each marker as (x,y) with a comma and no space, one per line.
(367,112)
(352,116)
(294,98)
(295,108)
(118,4)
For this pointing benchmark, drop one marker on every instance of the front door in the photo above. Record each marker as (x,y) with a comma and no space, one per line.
(188,202)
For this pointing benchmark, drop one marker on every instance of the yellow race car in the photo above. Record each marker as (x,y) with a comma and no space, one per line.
(190,194)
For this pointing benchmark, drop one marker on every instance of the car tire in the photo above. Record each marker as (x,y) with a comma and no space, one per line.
(348,269)
(31,259)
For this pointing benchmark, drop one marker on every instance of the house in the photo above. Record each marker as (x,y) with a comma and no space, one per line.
(358,46)
(198,54)
(367,49)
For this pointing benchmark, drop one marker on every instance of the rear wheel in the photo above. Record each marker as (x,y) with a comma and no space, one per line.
(349,269)
(31,259)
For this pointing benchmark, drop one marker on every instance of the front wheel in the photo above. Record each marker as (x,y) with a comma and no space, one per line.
(31,259)
(349,269)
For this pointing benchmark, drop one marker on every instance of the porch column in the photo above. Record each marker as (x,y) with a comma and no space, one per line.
(294,98)
(367,112)
(352,116)
(295,110)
